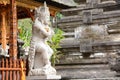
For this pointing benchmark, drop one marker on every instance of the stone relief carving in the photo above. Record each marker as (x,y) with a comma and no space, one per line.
(40,52)
(96,32)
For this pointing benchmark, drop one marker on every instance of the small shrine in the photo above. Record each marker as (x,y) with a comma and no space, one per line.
(11,11)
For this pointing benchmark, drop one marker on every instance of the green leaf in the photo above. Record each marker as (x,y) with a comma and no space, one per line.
(25,33)
(54,44)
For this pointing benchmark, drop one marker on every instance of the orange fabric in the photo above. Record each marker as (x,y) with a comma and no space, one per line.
(22,71)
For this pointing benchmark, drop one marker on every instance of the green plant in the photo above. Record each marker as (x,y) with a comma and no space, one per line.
(25,31)
(54,44)
(59,15)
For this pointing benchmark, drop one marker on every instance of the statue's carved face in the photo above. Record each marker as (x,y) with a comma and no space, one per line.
(44,14)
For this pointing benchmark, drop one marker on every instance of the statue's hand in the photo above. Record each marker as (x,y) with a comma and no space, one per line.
(47,29)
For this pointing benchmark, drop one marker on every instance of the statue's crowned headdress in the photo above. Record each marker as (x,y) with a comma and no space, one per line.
(41,10)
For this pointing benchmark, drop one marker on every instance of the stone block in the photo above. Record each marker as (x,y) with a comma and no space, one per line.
(87,17)
(93,1)
(44,77)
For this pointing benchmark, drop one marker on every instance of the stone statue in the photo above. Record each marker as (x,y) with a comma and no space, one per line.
(40,52)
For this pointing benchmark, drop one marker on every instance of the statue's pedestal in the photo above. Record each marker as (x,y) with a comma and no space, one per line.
(46,77)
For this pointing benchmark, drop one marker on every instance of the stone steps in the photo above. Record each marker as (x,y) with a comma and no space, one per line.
(84,67)
(82,72)
(109,78)
(88,74)
(72,61)
(69,34)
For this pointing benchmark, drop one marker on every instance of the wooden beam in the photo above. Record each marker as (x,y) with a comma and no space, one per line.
(4,2)
(31,4)
(21,4)
(30,14)
(3,30)
(13,30)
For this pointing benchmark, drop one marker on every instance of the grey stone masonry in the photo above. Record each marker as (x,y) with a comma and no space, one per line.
(45,77)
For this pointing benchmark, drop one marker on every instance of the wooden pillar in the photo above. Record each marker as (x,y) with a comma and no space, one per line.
(4,31)
(13,30)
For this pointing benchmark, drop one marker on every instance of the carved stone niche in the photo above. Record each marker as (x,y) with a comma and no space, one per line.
(87,17)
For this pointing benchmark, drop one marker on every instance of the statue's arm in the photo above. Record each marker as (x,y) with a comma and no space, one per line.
(43,30)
